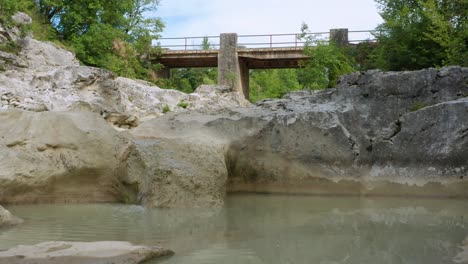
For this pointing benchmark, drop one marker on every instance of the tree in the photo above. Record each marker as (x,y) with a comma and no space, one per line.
(448,28)
(189,79)
(272,83)
(7,9)
(327,63)
(421,33)
(112,34)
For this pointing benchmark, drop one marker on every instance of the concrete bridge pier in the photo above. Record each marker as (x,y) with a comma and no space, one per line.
(232,70)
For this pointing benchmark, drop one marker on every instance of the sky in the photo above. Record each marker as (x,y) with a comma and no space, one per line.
(198,18)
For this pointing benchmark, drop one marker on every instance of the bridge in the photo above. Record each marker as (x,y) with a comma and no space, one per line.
(234,59)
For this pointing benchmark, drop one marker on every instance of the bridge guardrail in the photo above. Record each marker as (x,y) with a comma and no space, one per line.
(261,41)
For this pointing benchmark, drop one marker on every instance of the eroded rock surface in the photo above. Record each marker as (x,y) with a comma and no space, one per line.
(7,219)
(178,173)
(59,157)
(102,252)
(45,77)
(399,134)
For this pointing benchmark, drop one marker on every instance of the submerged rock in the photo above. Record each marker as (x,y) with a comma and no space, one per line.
(462,257)
(59,252)
(7,219)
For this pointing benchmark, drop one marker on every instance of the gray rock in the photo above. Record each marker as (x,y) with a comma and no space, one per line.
(462,257)
(399,134)
(102,252)
(7,219)
(22,18)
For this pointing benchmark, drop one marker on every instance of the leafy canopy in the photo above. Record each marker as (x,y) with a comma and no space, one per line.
(418,34)
(327,62)
(112,34)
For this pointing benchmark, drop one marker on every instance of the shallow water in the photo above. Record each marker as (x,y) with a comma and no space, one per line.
(264,229)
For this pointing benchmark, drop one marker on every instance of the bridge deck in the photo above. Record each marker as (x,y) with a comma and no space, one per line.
(258,58)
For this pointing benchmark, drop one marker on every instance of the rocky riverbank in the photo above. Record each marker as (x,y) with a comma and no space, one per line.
(70,133)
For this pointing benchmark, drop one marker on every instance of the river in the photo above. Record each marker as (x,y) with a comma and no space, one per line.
(254,228)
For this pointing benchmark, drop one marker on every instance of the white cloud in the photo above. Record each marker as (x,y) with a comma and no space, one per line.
(209,17)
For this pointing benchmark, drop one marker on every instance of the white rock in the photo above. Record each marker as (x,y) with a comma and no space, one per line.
(7,219)
(82,252)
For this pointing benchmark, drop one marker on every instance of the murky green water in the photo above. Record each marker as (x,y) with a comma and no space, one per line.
(264,229)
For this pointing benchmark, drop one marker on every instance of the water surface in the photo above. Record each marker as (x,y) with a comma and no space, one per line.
(264,229)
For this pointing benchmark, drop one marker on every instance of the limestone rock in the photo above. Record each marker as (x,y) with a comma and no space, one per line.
(45,77)
(375,134)
(58,252)
(400,134)
(22,18)
(7,219)
(59,157)
(214,97)
(178,173)
(46,56)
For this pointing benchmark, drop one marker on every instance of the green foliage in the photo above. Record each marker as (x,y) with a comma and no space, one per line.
(206,45)
(166,109)
(188,79)
(326,64)
(363,55)
(7,9)
(183,104)
(110,34)
(418,34)
(272,83)
(10,47)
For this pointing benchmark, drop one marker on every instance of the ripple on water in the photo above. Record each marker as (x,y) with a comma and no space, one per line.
(264,229)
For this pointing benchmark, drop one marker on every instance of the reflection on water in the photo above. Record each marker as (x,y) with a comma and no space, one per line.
(264,229)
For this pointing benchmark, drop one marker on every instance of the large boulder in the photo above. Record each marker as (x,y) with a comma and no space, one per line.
(7,219)
(59,157)
(375,134)
(179,160)
(177,173)
(101,252)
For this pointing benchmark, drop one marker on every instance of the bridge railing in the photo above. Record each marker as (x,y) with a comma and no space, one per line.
(261,41)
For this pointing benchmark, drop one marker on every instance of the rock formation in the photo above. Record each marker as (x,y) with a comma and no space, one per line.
(376,133)
(44,77)
(7,219)
(59,252)
(59,157)
(49,155)
(398,134)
